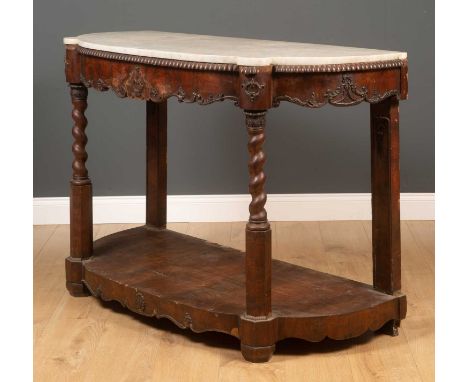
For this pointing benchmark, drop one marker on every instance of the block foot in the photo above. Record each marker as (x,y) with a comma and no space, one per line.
(257,354)
(77,289)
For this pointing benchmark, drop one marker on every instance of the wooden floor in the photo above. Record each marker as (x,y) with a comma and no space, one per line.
(83,339)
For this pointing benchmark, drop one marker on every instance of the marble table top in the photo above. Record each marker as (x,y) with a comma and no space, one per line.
(228,50)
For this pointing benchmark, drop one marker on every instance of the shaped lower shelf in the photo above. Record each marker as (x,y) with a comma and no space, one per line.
(201,285)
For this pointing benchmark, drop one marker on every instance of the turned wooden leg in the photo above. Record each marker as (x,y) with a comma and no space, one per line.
(156,164)
(385,170)
(81,209)
(257,326)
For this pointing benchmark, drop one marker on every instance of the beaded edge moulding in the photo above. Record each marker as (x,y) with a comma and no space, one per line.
(193,65)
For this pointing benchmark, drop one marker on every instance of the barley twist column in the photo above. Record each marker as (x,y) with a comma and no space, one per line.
(79,95)
(81,219)
(258,233)
(257,327)
(256,129)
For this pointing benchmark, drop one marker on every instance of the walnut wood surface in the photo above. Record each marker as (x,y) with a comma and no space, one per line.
(156,164)
(80,339)
(251,88)
(258,232)
(385,174)
(258,327)
(81,212)
(203,286)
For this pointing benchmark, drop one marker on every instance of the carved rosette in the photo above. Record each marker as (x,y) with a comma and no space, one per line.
(252,87)
(79,95)
(255,122)
(135,84)
(347,93)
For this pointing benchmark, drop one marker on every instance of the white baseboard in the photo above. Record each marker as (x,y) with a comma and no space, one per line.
(219,208)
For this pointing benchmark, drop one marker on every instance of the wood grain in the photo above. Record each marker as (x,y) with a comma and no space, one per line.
(81,203)
(251,88)
(156,164)
(385,180)
(74,338)
(199,285)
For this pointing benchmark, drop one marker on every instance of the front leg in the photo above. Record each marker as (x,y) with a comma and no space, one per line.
(81,209)
(258,331)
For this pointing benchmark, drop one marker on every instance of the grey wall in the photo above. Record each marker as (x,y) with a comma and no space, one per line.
(309,151)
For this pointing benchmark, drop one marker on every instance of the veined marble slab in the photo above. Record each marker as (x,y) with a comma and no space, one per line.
(228,50)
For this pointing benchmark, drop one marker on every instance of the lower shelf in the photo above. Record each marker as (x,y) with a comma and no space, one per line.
(201,285)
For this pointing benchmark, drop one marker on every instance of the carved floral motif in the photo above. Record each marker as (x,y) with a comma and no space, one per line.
(375,97)
(347,93)
(187,320)
(140,302)
(252,88)
(135,85)
(140,306)
(309,102)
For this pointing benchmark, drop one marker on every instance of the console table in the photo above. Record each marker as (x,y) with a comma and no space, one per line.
(201,285)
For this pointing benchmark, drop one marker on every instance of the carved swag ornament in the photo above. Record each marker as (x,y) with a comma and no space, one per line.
(347,93)
(135,85)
